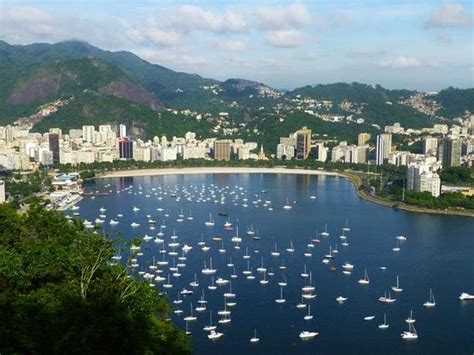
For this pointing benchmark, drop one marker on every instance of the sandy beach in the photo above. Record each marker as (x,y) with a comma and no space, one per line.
(210,170)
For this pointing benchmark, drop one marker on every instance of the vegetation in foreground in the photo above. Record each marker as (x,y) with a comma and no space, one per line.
(60,295)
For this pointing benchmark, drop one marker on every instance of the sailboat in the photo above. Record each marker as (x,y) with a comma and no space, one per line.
(212,287)
(304,273)
(397,247)
(210,222)
(385,299)
(397,287)
(431,302)
(307,335)
(365,280)
(291,249)
(309,287)
(309,316)
(313,196)
(191,317)
(287,206)
(346,228)
(410,318)
(325,233)
(411,333)
(275,252)
(208,270)
(254,339)
(209,327)
(384,325)
(301,305)
(236,239)
(264,281)
(281,299)
(261,268)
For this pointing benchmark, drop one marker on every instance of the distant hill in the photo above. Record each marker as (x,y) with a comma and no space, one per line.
(155,78)
(72,83)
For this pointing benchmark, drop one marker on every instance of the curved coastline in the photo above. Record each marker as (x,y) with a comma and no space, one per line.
(355,179)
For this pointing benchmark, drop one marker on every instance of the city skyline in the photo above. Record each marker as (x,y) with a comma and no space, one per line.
(425,45)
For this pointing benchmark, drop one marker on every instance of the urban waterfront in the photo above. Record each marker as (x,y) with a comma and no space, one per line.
(437,255)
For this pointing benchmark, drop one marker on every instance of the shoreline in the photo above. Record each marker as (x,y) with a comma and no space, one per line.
(353,178)
(212,170)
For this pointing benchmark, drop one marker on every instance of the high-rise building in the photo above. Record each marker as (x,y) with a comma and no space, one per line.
(449,152)
(88,134)
(422,178)
(363,138)
(430,144)
(122,130)
(54,146)
(384,147)
(125,148)
(222,149)
(303,143)
(2,191)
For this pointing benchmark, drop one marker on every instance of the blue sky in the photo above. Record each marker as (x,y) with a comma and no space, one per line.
(425,45)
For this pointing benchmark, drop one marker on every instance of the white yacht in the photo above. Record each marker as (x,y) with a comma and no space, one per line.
(411,333)
(307,335)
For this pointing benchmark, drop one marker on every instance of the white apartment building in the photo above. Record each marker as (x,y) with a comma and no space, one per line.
(2,191)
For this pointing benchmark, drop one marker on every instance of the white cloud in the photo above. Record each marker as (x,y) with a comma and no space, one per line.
(449,15)
(293,16)
(365,52)
(400,62)
(285,38)
(162,38)
(233,45)
(188,18)
(172,59)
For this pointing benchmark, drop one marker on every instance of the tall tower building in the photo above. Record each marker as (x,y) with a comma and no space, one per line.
(125,148)
(88,134)
(384,147)
(54,146)
(222,149)
(363,138)
(2,191)
(122,130)
(449,152)
(303,143)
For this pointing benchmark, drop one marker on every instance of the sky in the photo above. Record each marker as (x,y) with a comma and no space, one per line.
(425,44)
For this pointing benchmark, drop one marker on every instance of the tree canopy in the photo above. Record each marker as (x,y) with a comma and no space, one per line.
(59,293)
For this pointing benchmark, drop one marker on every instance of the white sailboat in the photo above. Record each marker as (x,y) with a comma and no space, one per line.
(209,327)
(307,335)
(254,339)
(287,206)
(281,299)
(411,333)
(291,249)
(384,325)
(275,252)
(210,222)
(365,280)
(308,316)
(410,318)
(397,287)
(431,302)
(191,317)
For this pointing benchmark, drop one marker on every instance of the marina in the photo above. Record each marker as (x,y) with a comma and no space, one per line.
(234,293)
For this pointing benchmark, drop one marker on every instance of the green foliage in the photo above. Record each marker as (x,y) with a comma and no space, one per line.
(381,107)
(22,188)
(455,101)
(458,175)
(59,294)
